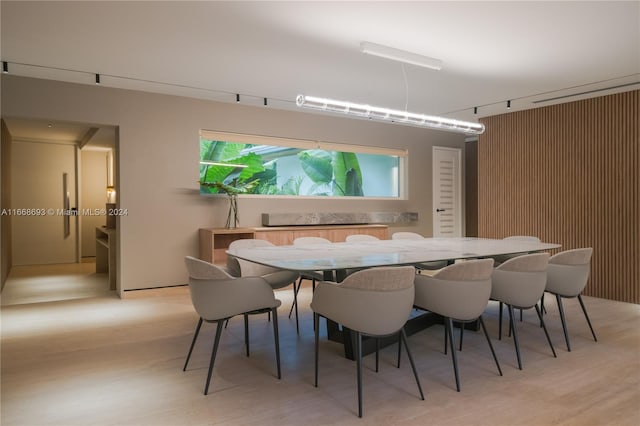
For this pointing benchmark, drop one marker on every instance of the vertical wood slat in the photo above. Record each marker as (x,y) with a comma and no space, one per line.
(569,174)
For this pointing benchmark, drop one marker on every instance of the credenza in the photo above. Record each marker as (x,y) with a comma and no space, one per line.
(214,242)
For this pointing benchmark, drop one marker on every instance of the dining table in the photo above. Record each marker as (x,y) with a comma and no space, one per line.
(337,260)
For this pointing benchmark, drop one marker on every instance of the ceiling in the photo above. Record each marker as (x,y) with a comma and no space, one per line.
(526,52)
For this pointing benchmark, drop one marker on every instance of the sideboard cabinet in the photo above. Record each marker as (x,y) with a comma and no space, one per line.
(214,242)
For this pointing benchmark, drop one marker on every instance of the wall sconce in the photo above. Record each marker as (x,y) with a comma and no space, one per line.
(111,195)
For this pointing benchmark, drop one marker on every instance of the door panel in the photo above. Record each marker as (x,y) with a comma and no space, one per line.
(447,213)
(38,233)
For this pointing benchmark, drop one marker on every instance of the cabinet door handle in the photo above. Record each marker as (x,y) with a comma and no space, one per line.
(439,210)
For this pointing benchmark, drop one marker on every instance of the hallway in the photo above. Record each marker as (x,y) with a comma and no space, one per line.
(48,283)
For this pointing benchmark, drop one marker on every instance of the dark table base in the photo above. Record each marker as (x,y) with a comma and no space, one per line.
(343,335)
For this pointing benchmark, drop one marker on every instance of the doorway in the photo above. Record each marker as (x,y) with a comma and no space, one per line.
(447,188)
(60,173)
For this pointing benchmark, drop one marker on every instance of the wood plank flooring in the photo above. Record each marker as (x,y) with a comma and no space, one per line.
(106,361)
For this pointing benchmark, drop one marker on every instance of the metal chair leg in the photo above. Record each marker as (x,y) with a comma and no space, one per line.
(461,335)
(276,338)
(544,327)
(584,310)
(500,321)
(246,333)
(564,321)
(377,353)
(454,357)
(403,338)
(512,324)
(193,343)
(317,341)
(359,370)
(216,342)
(399,348)
(495,358)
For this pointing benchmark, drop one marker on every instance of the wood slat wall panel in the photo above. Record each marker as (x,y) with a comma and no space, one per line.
(569,174)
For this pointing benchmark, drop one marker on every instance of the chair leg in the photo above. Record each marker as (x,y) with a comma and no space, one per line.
(564,321)
(461,335)
(446,337)
(512,325)
(500,322)
(193,343)
(495,358)
(359,370)
(246,333)
(520,315)
(454,357)
(584,310)
(403,338)
(377,353)
(295,305)
(544,327)
(216,342)
(276,338)
(399,348)
(317,340)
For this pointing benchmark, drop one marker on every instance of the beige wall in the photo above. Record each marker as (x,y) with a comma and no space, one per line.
(5,203)
(93,195)
(158,164)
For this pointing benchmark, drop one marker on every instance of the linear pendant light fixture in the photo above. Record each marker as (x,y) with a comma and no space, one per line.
(400,55)
(389,115)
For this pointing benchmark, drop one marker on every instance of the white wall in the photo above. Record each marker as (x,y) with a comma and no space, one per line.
(158,164)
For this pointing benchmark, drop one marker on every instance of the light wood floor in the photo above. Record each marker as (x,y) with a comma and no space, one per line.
(106,361)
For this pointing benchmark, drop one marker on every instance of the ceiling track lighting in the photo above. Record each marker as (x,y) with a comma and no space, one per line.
(475,110)
(400,55)
(5,67)
(509,104)
(97,78)
(389,115)
(265,101)
(237,98)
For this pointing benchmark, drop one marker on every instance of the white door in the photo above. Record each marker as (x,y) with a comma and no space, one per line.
(447,214)
(43,184)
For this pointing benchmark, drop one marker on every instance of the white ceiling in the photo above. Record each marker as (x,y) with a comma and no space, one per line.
(491,51)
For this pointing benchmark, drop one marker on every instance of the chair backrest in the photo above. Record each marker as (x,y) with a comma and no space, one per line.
(374,301)
(202,270)
(307,241)
(406,236)
(217,295)
(568,271)
(356,238)
(521,281)
(459,291)
(243,268)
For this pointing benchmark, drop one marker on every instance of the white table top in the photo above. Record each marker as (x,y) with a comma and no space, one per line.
(335,256)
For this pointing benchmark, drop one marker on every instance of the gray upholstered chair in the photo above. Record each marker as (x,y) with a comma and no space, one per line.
(373,302)
(567,276)
(460,293)
(360,238)
(276,278)
(504,257)
(313,276)
(431,266)
(519,283)
(217,296)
